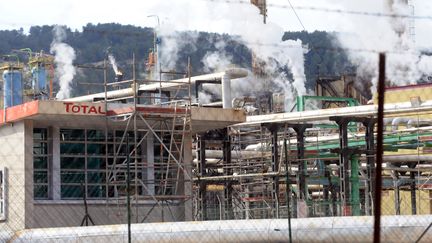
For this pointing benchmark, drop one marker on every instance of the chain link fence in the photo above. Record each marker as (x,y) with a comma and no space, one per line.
(176,173)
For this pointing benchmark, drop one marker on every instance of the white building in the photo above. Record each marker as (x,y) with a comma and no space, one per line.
(54,153)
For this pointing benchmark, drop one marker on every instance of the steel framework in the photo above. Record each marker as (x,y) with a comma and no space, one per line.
(153,136)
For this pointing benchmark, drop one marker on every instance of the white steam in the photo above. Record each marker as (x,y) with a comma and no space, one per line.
(217,60)
(64,57)
(172,42)
(204,98)
(244,22)
(113,63)
(405,63)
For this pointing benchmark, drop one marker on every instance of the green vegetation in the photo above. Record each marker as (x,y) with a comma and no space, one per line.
(91,45)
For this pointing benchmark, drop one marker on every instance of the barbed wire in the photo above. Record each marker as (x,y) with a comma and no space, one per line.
(329,10)
(282,44)
(238,40)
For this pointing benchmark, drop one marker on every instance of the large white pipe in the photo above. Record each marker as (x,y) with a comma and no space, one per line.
(409,121)
(418,122)
(293,141)
(231,73)
(398,120)
(324,114)
(235,154)
(329,229)
(226,92)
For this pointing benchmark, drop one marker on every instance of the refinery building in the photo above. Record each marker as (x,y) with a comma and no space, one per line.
(82,160)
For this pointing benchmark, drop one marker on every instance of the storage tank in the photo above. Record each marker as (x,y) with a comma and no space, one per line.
(12,90)
(39,79)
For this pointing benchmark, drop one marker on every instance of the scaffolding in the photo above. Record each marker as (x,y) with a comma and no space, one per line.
(320,169)
(148,153)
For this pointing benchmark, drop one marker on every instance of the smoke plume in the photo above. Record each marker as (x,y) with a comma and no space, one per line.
(217,60)
(394,35)
(246,24)
(172,42)
(113,63)
(64,55)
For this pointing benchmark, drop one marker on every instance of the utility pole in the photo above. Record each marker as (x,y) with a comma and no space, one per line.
(262,6)
(379,149)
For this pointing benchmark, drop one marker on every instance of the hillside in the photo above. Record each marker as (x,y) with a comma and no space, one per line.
(91,45)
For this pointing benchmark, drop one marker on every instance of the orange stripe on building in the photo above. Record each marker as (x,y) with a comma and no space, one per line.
(19,112)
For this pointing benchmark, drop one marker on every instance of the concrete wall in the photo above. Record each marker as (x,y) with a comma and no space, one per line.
(16,148)
(66,214)
(16,154)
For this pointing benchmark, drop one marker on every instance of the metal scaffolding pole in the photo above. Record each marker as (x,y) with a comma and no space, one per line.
(226,145)
(274,128)
(202,194)
(173,119)
(370,164)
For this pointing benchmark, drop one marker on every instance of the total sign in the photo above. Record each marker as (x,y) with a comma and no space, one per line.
(83,108)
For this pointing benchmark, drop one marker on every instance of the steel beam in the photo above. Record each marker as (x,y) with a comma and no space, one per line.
(274,128)
(202,172)
(228,193)
(345,165)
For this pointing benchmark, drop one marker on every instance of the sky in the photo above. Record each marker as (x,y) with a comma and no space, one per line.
(199,14)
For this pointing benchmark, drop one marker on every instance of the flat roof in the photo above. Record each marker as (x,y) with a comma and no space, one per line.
(94,115)
(410,86)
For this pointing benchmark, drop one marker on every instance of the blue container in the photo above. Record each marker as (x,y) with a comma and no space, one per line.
(39,79)
(12,90)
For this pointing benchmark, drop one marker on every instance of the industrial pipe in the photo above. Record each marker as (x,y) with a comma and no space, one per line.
(229,74)
(324,114)
(398,120)
(409,121)
(226,92)
(327,229)
(418,122)
(235,154)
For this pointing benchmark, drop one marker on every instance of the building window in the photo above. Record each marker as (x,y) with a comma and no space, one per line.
(94,164)
(2,194)
(83,163)
(40,163)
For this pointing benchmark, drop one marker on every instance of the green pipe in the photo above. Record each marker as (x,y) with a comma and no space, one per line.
(355,186)
(300,103)
(388,140)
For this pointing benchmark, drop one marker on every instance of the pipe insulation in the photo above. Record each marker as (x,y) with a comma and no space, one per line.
(225,76)
(327,229)
(324,114)
(226,92)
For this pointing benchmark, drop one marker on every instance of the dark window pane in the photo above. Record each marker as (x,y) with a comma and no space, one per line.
(40,148)
(96,149)
(72,148)
(72,177)
(110,149)
(119,135)
(40,162)
(72,163)
(71,191)
(95,135)
(40,177)
(40,192)
(111,190)
(96,177)
(96,191)
(40,133)
(72,135)
(123,149)
(95,163)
